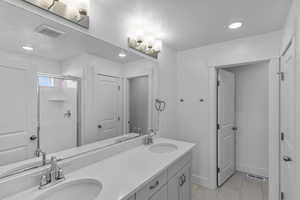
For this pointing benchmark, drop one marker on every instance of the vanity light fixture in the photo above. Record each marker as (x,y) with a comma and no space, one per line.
(122,55)
(27,48)
(235,25)
(146,45)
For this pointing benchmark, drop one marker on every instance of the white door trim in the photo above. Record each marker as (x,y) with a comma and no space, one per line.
(273,124)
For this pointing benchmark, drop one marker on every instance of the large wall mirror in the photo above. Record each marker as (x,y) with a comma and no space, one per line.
(62,89)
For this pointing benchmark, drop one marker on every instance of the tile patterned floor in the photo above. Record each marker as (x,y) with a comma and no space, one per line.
(239,187)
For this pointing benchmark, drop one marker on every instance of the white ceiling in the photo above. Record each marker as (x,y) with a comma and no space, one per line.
(185,24)
(18,29)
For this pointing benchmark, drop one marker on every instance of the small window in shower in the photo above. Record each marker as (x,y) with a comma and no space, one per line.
(46,81)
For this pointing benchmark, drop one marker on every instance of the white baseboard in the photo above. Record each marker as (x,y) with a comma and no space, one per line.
(199,180)
(253,170)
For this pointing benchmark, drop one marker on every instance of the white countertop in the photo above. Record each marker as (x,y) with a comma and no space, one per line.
(123,174)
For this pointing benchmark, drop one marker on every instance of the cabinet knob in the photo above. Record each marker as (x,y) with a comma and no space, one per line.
(154,185)
(99,126)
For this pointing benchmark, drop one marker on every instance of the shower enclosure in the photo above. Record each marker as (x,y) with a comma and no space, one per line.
(58,113)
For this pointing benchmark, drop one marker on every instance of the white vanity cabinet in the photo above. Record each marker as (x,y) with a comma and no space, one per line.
(172,184)
(179,187)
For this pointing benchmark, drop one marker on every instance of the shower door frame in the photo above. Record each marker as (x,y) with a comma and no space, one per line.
(78,106)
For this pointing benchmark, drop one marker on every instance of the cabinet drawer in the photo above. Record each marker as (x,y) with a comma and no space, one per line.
(179,164)
(152,187)
(161,195)
(131,198)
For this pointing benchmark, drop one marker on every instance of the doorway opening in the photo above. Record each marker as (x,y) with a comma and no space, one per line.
(58,111)
(138,102)
(243,124)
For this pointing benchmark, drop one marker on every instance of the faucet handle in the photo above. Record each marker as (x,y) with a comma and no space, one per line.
(53,160)
(60,174)
(43,181)
(53,163)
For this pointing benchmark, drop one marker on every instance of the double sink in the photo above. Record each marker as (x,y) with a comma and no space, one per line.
(89,189)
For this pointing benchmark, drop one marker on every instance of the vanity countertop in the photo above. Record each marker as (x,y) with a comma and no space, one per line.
(123,174)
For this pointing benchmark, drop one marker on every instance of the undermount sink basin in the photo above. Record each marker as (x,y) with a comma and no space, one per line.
(163,148)
(82,189)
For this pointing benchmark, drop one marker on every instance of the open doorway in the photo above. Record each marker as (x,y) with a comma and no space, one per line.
(243,123)
(58,111)
(138,104)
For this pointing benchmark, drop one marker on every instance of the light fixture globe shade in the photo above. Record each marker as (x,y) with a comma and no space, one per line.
(122,55)
(157,45)
(235,25)
(27,48)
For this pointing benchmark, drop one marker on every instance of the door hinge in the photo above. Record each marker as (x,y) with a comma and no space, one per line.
(281,75)
(119,87)
(282,195)
(282,136)
(218,126)
(218,170)
(218,83)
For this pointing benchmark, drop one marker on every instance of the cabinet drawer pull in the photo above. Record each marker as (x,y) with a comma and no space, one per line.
(154,185)
(182,180)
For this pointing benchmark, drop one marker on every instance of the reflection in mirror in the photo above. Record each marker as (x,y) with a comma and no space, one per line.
(58,104)
(138,104)
(67,92)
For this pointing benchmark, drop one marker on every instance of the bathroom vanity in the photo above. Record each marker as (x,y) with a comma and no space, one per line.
(161,171)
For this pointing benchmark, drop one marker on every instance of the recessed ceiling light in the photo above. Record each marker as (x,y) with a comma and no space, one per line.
(235,25)
(27,48)
(122,55)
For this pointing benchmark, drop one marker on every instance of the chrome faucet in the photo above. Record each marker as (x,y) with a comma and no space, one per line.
(53,176)
(149,137)
(38,153)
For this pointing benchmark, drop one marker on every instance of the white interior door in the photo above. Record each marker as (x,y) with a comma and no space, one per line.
(107,107)
(17,119)
(287,125)
(226,122)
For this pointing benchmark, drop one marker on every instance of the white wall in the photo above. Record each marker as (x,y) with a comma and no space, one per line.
(252,100)
(292,28)
(38,64)
(167,90)
(193,85)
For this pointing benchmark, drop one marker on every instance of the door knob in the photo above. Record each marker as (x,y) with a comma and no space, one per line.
(99,126)
(234,128)
(33,137)
(287,158)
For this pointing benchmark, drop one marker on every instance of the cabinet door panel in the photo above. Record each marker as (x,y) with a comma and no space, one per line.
(186,187)
(179,187)
(161,195)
